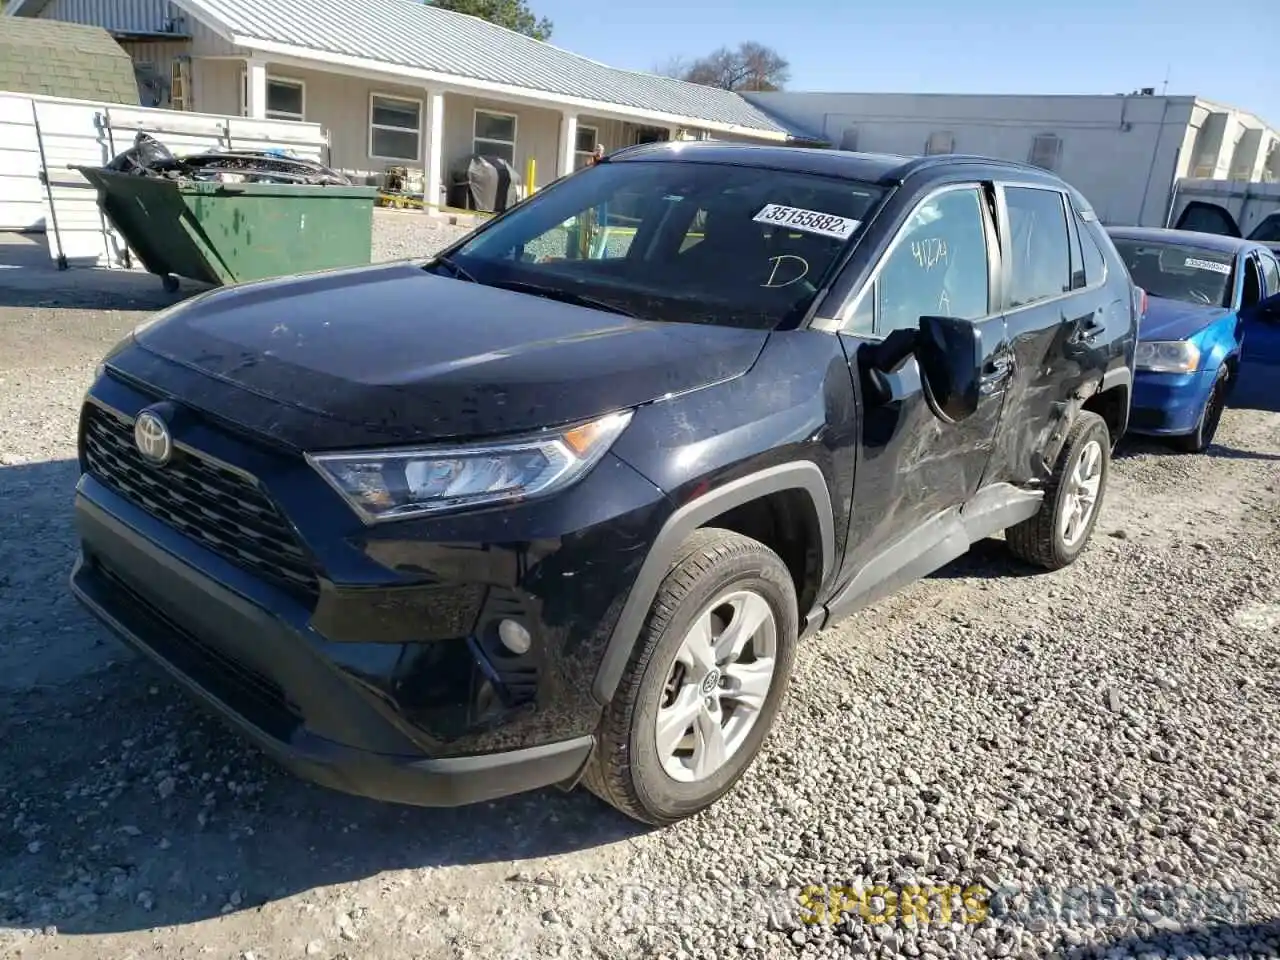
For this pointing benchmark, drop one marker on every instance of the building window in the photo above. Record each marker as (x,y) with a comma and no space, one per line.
(395,128)
(585,146)
(940,141)
(1046,151)
(494,135)
(849,139)
(286,99)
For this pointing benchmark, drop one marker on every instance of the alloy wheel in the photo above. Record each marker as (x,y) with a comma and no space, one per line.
(717,685)
(1081,494)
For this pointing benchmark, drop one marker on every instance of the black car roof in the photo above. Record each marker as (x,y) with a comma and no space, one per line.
(883,168)
(1185,238)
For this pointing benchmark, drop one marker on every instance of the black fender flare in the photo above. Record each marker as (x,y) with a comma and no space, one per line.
(1116,377)
(797,475)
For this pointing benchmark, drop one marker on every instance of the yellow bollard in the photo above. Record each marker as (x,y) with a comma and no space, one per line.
(530,176)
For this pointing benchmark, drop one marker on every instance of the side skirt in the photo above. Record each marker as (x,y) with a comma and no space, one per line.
(935,543)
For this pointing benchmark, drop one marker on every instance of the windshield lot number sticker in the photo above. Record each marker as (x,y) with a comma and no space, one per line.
(810,221)
(1207,265)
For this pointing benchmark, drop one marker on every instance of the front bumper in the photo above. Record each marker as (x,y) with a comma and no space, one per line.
(366,659)
(1168,404)
(234,665)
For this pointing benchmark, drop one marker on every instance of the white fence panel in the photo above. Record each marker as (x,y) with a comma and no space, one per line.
(72,133)
(84,133)
(21,195)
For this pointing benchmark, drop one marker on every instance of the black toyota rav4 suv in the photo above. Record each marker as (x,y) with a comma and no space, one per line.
(558,504)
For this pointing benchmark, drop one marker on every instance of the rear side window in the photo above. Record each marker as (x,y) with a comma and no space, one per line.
(1095,266)
(1039,247)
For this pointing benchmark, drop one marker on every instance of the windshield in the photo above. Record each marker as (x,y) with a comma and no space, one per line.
(676,241)
(1178,271)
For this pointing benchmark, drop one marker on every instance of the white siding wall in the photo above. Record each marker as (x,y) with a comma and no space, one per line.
(340,104)
(1121,152)
(537,134)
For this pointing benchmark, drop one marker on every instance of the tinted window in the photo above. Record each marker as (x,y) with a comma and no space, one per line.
(1095,267)
(1268,231)
(1204,217)
(1178,271)
(679,241)
(939,265)
(1251,289)
(1077,254)
(1039,253)
(1270,274)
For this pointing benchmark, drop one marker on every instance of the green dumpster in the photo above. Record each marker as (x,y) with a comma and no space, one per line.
(222,233)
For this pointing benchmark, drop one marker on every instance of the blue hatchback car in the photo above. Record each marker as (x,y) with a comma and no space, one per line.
(1202,289)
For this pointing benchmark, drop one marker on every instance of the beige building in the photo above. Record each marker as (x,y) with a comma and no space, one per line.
(399,82)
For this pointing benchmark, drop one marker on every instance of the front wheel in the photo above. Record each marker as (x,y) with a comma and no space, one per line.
(1057,534)
(1199,439)
(704,684)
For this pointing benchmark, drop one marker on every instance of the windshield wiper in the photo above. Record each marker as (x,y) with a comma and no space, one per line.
(458,271)
(564,296)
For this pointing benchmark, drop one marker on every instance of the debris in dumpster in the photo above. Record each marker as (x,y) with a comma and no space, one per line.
(148,157)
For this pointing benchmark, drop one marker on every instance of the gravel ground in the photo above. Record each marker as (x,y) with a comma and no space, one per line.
(993,763)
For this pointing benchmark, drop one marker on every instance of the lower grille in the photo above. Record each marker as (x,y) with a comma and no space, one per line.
(255,696)
(217,507)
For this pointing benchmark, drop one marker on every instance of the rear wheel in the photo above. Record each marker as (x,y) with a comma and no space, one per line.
(1200,439)
(1057,534)
(704,684)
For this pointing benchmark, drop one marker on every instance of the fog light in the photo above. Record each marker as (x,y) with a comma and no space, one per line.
(514,636)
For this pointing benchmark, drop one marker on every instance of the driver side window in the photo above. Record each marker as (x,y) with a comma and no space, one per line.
(937,267)
(1252,292)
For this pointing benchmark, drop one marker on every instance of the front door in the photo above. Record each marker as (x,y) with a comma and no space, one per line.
(914,471)
(1260,355)
(1054,311)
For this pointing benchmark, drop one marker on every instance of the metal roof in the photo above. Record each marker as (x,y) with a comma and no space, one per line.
(412,34)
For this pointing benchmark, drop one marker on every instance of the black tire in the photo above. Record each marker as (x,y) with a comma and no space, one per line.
(625,770)
(1200,439)
(1039,540)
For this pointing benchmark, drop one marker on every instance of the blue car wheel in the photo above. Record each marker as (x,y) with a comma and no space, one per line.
(1199,439)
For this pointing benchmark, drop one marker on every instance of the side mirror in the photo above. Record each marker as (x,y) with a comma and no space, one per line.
(949,352)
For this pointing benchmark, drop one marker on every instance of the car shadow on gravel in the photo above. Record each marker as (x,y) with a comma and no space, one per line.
(987,559)
(1213,939)
(127,807)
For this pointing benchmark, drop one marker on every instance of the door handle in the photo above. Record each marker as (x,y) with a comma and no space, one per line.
(1088,329)
(997,370)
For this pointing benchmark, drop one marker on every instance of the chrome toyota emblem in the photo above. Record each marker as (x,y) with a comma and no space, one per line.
(152,438)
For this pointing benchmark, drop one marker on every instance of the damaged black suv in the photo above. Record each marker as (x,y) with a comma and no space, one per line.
(558,504)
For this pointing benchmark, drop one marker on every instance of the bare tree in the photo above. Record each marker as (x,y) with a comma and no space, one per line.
(676,66)
(752,66)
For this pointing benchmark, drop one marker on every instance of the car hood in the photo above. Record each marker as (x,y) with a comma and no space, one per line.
(393,353)
(1176,319)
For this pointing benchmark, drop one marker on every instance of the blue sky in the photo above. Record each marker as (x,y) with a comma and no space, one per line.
(924,46)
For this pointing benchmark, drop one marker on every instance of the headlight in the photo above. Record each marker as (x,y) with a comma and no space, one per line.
(1168,356)
(398,483)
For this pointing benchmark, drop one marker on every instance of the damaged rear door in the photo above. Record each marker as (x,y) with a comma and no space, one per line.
(1056,316)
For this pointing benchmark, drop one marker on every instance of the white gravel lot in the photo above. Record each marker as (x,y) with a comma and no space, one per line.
(1100,746)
